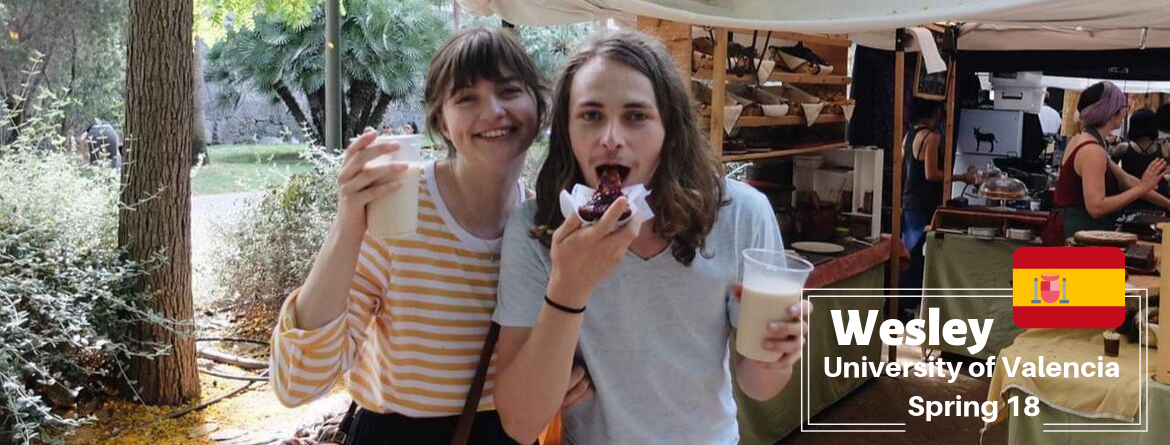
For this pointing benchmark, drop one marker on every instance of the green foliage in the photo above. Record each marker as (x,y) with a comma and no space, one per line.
(66,318)
(547,45)
(385,48)
(239,168)
(550,45)
(79,46)
(269,252)
(213,16)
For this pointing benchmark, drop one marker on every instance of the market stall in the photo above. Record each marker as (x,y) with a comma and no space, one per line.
(782,118)
(1009,207)
(723,65)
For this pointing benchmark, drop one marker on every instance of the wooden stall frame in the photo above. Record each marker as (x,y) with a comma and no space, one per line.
(896,196)
(718,93)
(1162,374)
(949,152)
(952,40)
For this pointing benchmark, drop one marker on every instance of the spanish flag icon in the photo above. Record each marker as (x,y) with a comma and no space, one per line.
(1068,287)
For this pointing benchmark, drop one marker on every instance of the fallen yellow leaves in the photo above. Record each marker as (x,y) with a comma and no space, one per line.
(124,422)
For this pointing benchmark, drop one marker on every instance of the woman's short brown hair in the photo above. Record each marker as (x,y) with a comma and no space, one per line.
(476,53)
(687,188)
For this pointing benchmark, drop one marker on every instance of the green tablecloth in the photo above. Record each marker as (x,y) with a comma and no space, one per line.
(1030,430)
(963,262)
(763,423)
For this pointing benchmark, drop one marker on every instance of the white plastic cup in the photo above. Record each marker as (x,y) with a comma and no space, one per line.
(772,281)
(396,214)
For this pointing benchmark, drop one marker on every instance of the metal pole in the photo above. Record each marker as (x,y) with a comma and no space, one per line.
(332,75)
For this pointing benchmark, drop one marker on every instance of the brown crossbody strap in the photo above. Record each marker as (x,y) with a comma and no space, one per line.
(467,418)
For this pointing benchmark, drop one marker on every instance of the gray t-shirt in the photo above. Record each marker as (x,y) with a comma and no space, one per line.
(654,338)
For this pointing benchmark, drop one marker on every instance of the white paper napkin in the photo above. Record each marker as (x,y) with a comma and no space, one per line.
(636,194)
(731,116)
(848,110)
(793,62)
(924,39)
(812,112)
(765,71)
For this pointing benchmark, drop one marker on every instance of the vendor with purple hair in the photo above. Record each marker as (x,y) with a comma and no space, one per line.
(1092,189)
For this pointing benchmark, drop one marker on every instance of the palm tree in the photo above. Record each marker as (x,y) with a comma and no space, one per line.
(386,45)
(549,45)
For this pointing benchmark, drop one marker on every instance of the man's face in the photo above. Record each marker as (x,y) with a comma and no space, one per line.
(614,121)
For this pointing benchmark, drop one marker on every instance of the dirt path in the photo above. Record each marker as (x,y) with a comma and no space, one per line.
(210,216)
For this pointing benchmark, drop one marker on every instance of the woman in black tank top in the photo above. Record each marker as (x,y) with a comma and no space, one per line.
(1140,150)
(921,191)
(1092,189)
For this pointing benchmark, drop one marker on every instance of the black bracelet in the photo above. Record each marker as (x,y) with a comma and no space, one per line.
(562,307)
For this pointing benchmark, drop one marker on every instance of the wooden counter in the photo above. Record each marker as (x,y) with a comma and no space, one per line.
(851,264)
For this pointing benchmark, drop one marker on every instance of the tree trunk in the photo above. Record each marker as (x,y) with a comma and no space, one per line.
(157,186)
(380,109)
(290,102)
(317,109)
(199,119)
(360,98)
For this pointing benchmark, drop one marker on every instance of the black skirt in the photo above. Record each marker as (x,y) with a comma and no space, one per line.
(370,428)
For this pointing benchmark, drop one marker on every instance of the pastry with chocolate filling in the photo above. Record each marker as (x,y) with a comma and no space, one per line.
(609,189)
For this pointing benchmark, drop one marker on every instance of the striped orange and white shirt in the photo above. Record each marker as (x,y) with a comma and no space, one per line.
(419,310)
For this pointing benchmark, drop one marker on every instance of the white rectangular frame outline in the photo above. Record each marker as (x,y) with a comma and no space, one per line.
(1143,359)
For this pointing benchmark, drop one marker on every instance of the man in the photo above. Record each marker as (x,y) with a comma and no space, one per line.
(101,142)
(1049,117)
(654,339)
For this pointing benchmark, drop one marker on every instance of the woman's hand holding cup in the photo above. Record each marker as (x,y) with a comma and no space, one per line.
(366,175)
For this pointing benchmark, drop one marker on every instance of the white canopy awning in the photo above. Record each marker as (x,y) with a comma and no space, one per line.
(1129,86)
(991,24)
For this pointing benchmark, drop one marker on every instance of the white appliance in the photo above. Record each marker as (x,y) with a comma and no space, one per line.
(983,135)
(1023,91)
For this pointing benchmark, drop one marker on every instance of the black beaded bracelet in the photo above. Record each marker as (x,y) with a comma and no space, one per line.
(562,307)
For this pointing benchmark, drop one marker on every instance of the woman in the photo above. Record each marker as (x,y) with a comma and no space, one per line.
(1140,150)
(410,128)
(404,320)
(1091,188)
(655,335)
(921,190)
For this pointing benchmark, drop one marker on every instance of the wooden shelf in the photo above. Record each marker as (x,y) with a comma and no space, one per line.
(783,121)
(765,121)
(777,75)
(822,39)
(782,152)
(834,48)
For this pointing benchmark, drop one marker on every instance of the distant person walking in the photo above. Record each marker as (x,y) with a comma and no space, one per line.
(101,142)
(410,128)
